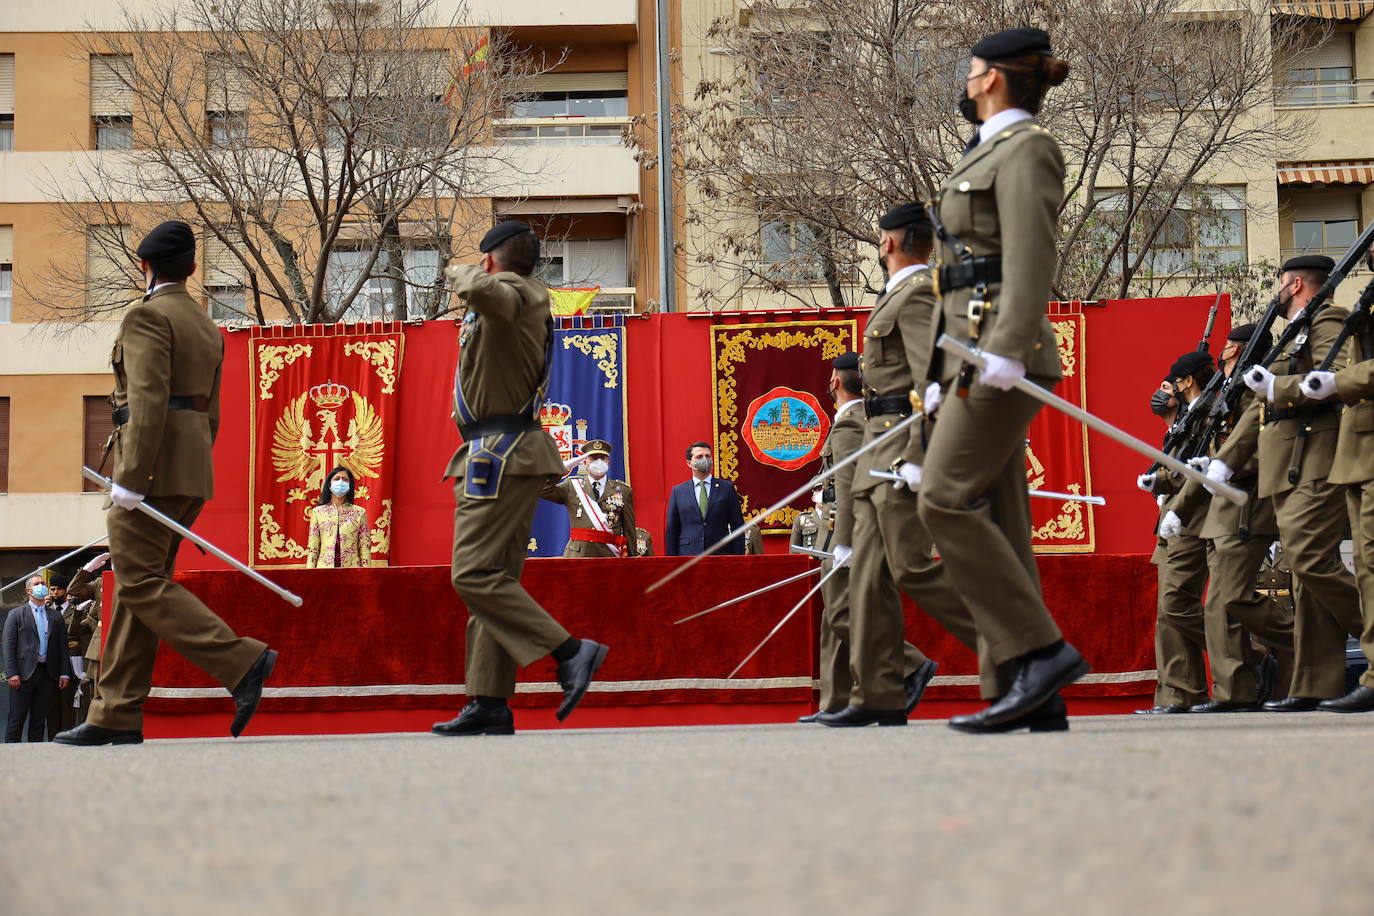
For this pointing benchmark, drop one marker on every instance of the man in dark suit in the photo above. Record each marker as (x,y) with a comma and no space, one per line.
(36,661)
(702,510)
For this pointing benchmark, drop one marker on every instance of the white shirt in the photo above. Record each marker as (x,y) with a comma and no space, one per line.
(901,275)
(1000,122)
(844,408)
(159,286)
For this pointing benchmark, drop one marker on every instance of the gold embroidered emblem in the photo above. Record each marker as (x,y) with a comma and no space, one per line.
(299,455)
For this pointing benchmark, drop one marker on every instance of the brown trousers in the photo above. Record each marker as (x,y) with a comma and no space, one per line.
(1235,612)
(1325,597)
(149,607)
(974,503)
(838,686)
(1180,633)
(507,628)
(1359,501)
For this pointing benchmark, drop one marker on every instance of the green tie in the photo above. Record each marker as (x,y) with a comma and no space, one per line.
(701,497)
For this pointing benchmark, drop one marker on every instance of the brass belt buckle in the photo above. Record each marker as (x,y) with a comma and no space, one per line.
(976,306)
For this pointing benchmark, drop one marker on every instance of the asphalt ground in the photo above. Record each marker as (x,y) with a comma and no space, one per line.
(1257,813)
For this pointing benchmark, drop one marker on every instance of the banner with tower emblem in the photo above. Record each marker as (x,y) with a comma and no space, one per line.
(585,400)
(321,396)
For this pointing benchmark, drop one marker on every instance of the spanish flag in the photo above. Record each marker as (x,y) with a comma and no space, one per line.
(571,301)
(477,60)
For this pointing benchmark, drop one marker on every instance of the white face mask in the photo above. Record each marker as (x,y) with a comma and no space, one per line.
(598,468)
(339,488)
(818,498)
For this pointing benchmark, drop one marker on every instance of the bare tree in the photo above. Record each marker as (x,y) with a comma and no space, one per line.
(317,144)
(819,119)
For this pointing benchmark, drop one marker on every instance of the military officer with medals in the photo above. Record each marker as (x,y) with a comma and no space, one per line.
(811,525)
(601,511)
(998,211)
(505,462)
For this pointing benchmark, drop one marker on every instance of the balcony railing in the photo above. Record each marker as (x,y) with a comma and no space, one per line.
(614,299)
(1333,253)
(1324,94)
(566,131)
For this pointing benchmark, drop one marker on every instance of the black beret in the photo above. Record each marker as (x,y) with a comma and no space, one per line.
(1309,262)
(56,581)
(1013,43)
(848,360)
(1246,331)
(502,231)
(911,213)
(172,239)
(1191,363)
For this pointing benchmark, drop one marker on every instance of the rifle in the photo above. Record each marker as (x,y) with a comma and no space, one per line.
(1182,436)
(1352,324)
(1204,346)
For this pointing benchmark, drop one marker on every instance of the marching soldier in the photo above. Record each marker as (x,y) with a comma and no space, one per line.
(166,358)
(499,472)
(998,208)
(1295,439)
(601,511)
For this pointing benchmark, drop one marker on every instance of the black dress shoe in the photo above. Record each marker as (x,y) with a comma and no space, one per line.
(88,735)
(248,691)
(474,720)
(1266,674)
(575,674)
(1169,710)
(916,682)
(1219,706)
(809,717)
(858,717)
(1037,679)
(1292,704)
(1050,716)
(1361,699)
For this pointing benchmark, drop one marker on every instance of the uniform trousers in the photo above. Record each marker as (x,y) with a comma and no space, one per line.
(974,500)
(1235,611)
(1325,597)
(1180,632)
(507,628)
(1359,501)
(838,685)
(149,607)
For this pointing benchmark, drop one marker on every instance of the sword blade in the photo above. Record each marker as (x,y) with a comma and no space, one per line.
(1069,497)
(188,534)
(786,617)
(811,552)
(1026,386)
(754,594)
(65,556)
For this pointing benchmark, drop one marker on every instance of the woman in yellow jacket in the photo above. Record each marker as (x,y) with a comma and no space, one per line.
(339,535)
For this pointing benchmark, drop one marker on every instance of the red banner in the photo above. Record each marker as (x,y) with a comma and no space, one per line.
(321,396)
(1057,453)
(772,411)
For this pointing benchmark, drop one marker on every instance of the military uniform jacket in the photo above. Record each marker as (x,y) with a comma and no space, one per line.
(1273,441)
(1214,517)
(501,364)
(845,436)
(166,347)
(896,355)
(617,504)
(1355,386)
(807,529)
(1003,199)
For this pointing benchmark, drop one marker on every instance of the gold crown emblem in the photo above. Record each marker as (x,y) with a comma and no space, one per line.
(552,414)
(330,394)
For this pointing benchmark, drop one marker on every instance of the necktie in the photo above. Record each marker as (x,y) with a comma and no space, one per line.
(41,622)
(701,497)
(596,490)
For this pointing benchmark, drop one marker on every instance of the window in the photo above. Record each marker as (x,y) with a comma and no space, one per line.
(98,424)
(374,301)
(6,102)
(586,108)
(584,263)
(791,250)
(109,283)
(4,445)
(1205,230)
(112,132)
(1322,74)
(223,280)
(226,101)
(1324,222)
(227,129)
(6,272)
(112,123)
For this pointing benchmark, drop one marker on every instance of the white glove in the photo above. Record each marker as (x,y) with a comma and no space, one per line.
(97,563)
(1146,482)
(843,555)
(1000,372)
(1218,472)
(911,477)
(1170,525)
(1261,381)
(573,462)
(1199,463)
(124,499)
(932,398)
(1319,384)
(1160,500)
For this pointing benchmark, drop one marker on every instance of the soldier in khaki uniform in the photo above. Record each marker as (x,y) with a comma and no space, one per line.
(166,358)
(811,528)
(85,593)
(596,502)
(505,462)
(1293,434)
(998,210)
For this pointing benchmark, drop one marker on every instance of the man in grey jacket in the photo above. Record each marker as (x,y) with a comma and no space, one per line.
(36,661)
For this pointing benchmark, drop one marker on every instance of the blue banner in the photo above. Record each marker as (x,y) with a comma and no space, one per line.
(586,400)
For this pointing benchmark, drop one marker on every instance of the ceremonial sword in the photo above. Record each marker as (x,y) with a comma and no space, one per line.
(756,592)
(786,617)
(824,555)
(188,534)
(1044,396)
(1038,494)
(65,556)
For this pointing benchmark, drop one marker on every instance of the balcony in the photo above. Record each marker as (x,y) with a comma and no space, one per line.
(1324,94)
(561,131)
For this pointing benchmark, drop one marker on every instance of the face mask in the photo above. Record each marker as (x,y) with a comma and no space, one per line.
(598,468)
(969,108)
(40,592)
(818,498)
(339,488)
(1160,402)
(702,464)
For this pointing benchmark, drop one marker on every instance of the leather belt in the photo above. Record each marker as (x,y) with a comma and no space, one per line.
(175,402)
(972,272)
(499,425)
(1296,413)
(895,404)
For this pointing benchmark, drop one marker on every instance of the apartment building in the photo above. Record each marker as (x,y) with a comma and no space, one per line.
(60,107)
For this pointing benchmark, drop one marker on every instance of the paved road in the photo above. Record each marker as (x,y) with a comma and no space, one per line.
(1223,814)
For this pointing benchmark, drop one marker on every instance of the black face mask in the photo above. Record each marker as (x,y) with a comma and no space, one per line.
(969,108)
(1160,402)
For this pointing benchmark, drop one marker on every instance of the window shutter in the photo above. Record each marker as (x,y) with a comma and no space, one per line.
(1325,207)
(222,268)
(107,281)
(226,85)
(579,82)
(596,262)
(6,84)
(4,445)
(6,244)
(99,423)
(111,78)
(1335,51)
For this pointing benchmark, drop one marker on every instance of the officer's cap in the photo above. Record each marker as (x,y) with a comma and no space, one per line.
(1318,262)
(1192,363)
(1013,43)
(912,213)
(502,231)
(848,360)
(170,240)
(597,447)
